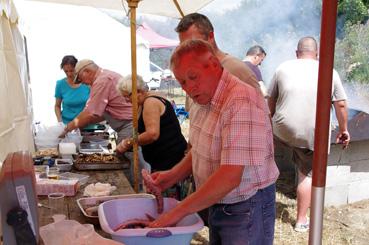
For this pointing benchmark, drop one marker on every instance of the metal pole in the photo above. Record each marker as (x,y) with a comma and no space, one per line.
(323,106)
(133,6)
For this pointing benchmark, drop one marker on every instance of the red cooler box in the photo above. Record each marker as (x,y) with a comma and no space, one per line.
(18,200)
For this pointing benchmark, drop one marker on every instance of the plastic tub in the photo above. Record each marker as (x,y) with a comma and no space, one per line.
(82,179)
(67,148)
(64,164)
(114,212)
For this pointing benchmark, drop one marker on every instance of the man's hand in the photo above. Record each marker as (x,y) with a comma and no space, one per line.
(171,218)
(125,145)
(343,138)
(163,179)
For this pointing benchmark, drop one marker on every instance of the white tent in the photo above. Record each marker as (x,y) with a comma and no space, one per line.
(169,8)
(55,30)
(15,99)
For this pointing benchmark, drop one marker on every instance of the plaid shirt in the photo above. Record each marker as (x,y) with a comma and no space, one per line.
(233,129)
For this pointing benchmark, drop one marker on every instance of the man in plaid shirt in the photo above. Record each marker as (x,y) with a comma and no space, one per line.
(231,157)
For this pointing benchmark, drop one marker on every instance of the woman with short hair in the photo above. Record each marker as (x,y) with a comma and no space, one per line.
(160,136)
(70,98)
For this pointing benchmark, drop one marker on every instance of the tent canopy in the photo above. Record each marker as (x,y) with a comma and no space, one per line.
(56,30)
(156,7)
(15,96)
(155,40)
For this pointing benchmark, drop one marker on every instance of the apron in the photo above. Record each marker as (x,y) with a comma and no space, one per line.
(123,128)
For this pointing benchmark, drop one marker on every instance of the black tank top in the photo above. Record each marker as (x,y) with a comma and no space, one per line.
(170,147)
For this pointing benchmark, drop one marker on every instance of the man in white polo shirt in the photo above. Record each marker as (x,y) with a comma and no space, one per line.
(292,103)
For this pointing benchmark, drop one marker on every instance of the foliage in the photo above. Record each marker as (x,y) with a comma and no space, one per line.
(352,54)
(353,11)
(365,2)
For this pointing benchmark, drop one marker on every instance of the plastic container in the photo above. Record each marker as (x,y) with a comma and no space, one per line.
(41,169)
(43,176)
(73,138)
(67,148)
(82,179)
(101,142)
(88,205)
(63,231)
(53,173)
(114,212)
(64,164)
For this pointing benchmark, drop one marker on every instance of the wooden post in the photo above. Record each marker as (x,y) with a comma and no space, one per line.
(133,6)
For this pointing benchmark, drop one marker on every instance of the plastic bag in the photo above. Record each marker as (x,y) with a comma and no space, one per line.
(99,189)
(47,136)
(71,232)
(73,137)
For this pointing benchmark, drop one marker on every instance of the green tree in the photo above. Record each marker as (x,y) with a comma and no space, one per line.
(352,54)
(365,2)
(353,11)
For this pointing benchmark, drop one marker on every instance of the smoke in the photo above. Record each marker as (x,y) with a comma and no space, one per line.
(275,25)
(358,96)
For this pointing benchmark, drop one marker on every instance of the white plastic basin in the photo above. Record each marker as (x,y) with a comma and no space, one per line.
(114,212)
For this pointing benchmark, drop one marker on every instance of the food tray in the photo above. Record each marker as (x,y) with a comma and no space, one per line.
(88,136)
(97,161)
(91,202)
(87,148)
(86,202)
(46,152)
(99,166)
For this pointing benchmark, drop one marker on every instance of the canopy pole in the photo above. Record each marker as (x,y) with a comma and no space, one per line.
(133,6)
(323,107)
(178,8)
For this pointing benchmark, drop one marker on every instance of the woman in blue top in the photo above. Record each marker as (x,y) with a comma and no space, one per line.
(70,98)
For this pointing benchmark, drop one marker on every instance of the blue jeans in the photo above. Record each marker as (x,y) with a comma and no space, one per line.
(248,222)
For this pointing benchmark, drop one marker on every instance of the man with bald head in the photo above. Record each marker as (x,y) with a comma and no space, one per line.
(292,103)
